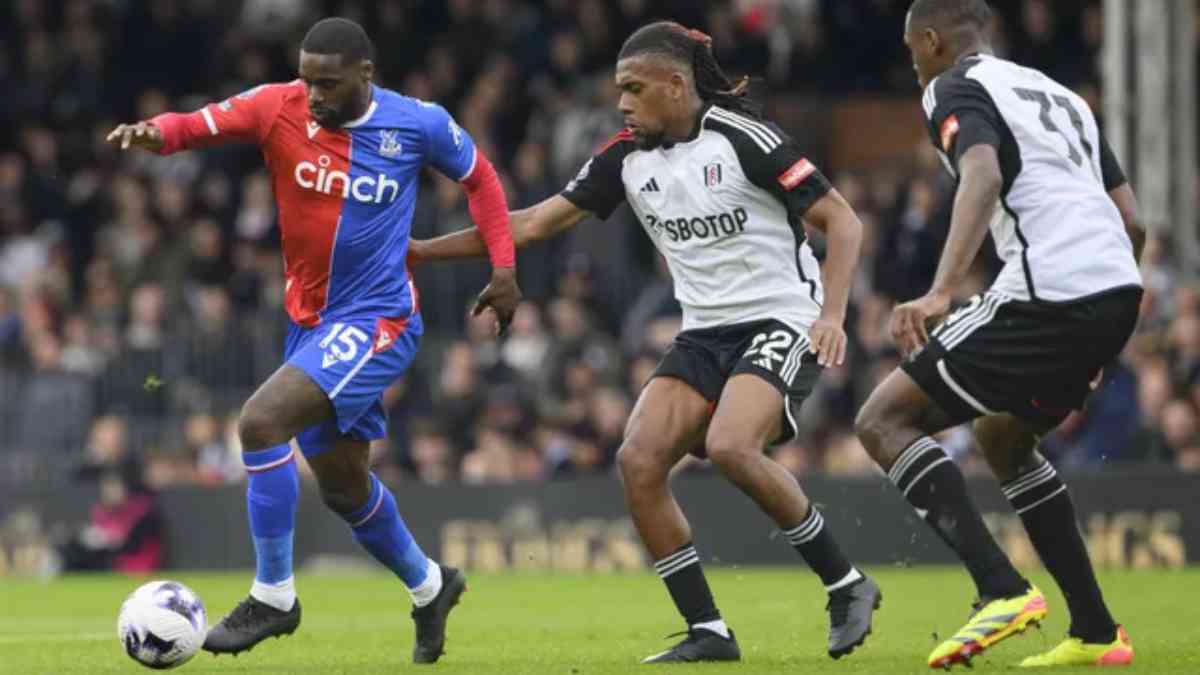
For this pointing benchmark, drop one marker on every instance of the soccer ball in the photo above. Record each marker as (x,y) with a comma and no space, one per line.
(162,624)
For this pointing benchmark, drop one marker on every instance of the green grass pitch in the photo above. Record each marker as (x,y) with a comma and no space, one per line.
(580,625)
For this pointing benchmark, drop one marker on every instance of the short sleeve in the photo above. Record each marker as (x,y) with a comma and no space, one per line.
(960,114)
(772,160)
(451,149)
(598,187)
(1110,168)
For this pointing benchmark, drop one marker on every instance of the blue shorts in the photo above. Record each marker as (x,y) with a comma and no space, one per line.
(353,361)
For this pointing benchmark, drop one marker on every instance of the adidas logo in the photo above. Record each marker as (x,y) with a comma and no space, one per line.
(650,186)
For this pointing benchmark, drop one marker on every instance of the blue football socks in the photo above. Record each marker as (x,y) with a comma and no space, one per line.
(274,487)
(379,528)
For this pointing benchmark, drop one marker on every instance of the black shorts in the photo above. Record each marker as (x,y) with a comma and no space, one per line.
(1033,360)
(706,358)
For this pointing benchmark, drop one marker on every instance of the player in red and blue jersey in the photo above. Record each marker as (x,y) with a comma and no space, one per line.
(345,156)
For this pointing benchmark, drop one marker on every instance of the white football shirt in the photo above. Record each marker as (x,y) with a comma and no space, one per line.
(724,208)
(1057,230)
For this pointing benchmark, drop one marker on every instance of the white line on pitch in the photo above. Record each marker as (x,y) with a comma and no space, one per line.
(55,637)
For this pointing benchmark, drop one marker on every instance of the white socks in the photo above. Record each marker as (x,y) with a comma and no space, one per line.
(281,596)
(851,577)
(717,627)
(427,590)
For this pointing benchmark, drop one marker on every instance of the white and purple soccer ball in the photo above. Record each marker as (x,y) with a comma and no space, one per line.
(162,624)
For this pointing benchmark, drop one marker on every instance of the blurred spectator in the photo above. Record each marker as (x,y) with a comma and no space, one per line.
(581,355)
(206,261)
(108,449)
(134,381)
(1154,393)
(82,353)
(457,396)
(257,215)
(433,456)
(215,462)
(605,426)
(494,459)
(1052,42)
(50,387)
(11,349)
(913,245)
(217,369)
(527,343)
(1181,433)
(656,301)
(123,534)
(1103,431)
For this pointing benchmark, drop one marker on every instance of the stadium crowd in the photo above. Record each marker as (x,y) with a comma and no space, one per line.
(140,297)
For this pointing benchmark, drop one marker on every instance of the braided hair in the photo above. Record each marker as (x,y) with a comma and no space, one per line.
(692,48)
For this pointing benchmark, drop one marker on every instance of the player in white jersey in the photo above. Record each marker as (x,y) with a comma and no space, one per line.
(1018,359)
(723,195)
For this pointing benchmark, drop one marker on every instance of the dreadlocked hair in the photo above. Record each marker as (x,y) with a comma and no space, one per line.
(692,48)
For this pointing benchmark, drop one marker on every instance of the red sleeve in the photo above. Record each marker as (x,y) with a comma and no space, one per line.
(245,118)
(489,210)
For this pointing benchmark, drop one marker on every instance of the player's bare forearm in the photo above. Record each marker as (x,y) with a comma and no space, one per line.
(979,187)
(843,233)
(1137,235)
(466,243)
(548,218)
(1126,202)
(540,221)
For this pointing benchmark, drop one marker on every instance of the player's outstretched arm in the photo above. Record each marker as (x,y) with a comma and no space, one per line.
(596,190)
(980,181)
(833,215)
(245,118)
(540,221)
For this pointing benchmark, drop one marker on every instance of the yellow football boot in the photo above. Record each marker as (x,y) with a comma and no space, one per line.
(1076,652)
(991,623)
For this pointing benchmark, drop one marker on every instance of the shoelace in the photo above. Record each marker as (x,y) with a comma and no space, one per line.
(978,605)
(691,634)
(982,602)
(242,615)
(975,608)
